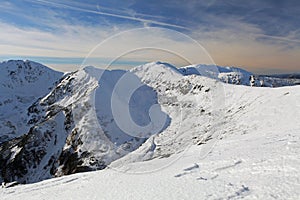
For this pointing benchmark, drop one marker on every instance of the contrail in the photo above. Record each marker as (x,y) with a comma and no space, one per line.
(278,38)
(60,5)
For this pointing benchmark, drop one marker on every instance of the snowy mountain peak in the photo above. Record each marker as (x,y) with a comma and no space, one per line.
(24,66)
(19,74)
(156,66)
(156,70)
(93,71)
(21,84)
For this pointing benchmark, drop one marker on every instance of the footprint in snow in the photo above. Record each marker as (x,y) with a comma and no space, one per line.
(195,166)
(188,170)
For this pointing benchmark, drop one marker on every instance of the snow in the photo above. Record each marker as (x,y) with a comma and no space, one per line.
(226,74)
(222,141)
(22,82)
(239,76)
(15,150)
(257,165)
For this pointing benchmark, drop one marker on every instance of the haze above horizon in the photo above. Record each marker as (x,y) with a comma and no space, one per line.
(260,36)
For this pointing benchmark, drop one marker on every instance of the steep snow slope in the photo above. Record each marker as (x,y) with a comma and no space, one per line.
(51,122)
(101,125)
(256,155)
(76,119)
(21,83)
(194,104)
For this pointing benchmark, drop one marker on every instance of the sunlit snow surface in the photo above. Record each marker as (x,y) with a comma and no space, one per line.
(251,147)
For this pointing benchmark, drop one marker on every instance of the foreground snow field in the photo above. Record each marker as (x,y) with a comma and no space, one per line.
(254,155)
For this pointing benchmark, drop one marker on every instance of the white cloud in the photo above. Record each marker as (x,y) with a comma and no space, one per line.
(109,14)
(78,40)
(233,43)
(70,40)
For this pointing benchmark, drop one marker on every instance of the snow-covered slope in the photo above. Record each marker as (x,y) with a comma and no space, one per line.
(21,83)
(74,127)
(247,147)
(176,129)
(194,104)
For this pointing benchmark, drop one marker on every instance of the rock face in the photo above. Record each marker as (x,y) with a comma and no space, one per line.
(53,124)
(33,156)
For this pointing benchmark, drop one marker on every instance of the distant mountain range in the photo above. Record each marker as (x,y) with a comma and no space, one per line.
(239,76)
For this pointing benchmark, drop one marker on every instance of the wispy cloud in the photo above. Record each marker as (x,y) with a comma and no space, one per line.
(233,33)
(6,5)
(288,38)
(138,19)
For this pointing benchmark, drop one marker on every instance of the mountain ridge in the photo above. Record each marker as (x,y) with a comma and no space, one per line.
(74,127)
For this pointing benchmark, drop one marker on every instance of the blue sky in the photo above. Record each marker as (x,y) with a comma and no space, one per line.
(261,36)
